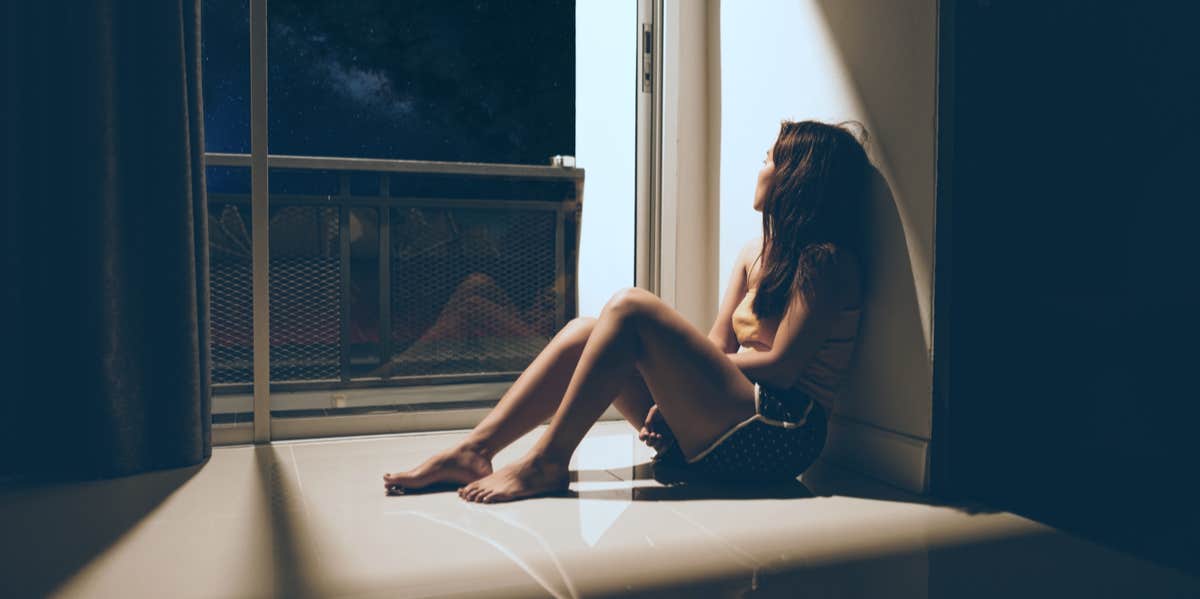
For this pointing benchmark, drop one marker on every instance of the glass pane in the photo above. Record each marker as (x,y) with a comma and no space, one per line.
(473,290)
(452,80)
(231,333)
(365,339)
(458,278)
(225,47)
(306,292)
(606,52)
(229,258)
(225,51)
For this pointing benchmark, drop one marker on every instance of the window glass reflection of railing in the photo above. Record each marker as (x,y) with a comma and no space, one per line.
(393,272)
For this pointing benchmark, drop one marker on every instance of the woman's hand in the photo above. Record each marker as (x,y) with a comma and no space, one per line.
(655,431)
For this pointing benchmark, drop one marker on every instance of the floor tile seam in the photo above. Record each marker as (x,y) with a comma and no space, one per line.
(512,555)
(363,438)
(299,480)
(398,435)
(755,564)
(614,476)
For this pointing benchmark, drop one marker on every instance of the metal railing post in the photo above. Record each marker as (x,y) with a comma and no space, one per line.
(344,258)
(385,274)
(260,216)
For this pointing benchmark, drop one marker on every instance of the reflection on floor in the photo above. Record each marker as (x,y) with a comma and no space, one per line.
(310,519)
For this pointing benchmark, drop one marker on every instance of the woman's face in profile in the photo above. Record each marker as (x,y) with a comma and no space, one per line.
(766,180)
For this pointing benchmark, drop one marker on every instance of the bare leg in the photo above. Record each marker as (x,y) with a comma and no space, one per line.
(634,401)
(532,399)
(699,391)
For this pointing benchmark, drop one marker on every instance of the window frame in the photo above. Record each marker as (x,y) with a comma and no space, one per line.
(647,252)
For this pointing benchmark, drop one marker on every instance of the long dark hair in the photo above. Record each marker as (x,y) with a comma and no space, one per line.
(815,211)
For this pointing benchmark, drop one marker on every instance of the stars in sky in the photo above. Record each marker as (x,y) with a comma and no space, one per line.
(451,80)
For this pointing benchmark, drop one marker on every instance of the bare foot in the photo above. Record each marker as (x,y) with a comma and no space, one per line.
(532,475)
(458,465)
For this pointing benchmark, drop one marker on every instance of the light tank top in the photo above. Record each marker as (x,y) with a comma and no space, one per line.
(824,374)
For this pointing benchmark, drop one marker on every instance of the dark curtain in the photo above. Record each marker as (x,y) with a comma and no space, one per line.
(106,266)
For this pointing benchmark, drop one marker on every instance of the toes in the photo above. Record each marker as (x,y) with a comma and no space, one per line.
(466,491)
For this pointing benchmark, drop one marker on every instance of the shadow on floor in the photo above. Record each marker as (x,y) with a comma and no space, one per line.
(294,565)
(827,480)
(1032,566)
(679,485)
(52,531)
(823,479)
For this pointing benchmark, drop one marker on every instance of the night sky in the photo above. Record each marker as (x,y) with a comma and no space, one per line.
(479,81)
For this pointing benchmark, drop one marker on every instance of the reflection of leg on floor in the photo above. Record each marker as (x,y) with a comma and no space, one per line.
(532,399)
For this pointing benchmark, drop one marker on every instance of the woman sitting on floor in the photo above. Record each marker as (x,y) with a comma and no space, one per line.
(748,402)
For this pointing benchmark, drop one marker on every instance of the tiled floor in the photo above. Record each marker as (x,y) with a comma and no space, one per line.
(311,519)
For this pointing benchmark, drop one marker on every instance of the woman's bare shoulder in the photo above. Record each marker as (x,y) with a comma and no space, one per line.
(750,251)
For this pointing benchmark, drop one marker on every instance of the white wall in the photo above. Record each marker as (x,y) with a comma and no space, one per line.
(874,62)
(605,127)
(691,158)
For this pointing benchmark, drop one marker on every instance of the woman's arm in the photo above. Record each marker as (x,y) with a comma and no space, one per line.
(722,334)
(760,367)
(802,330)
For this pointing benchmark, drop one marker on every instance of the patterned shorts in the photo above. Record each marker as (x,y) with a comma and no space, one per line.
(781,440)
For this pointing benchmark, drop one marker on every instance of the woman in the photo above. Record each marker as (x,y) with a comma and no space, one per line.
(792,304)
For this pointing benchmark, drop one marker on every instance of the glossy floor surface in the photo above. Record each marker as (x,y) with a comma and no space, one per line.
(311,519)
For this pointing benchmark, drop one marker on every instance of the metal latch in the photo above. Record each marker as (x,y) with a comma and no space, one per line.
(647,56)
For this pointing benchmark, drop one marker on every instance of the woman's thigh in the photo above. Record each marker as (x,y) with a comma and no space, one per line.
(699,391)
(634,399)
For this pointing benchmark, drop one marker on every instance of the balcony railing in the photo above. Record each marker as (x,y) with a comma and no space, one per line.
(394,272)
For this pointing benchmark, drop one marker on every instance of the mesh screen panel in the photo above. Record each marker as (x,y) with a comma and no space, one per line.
(472,289)
(305,299)
(232,332)
(305,294)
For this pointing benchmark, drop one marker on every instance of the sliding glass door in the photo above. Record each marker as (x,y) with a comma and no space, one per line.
(423,243)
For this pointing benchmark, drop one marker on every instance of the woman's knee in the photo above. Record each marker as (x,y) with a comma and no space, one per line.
(630,302)
(578,329)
